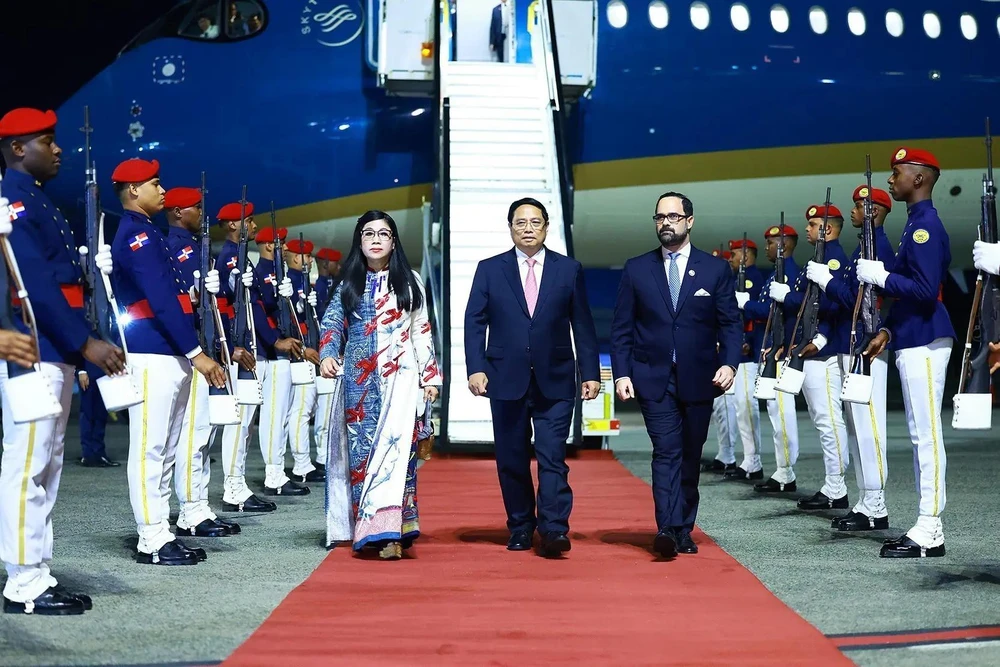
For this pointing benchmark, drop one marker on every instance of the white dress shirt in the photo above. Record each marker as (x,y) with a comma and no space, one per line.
(522,265)
(681,261)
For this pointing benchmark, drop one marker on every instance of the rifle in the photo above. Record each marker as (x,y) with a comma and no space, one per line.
(207,331)
(807,317)
(312,320)
(284,305)
(984,328)
(242,319)
(865,305)
(97,312)
(30,393)
(767,372)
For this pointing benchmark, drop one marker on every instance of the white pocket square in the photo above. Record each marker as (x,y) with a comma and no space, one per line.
(702,292)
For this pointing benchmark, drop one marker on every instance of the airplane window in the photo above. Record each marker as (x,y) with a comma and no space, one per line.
(856,21)
(932,25)
(244,17)
(659,16)
(969,27)
(203,22)
(740,16)
(617,14)
(817,20)
(894,23)
(700,17)
(779,18)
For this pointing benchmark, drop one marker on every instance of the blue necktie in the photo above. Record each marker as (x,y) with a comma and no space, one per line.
(674,285)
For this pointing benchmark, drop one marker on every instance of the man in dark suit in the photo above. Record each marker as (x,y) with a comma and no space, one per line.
(499,27)
(675,344)
(529,297)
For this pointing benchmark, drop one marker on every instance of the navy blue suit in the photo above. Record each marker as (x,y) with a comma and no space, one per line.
(497,36)
(531,371)
(675,397)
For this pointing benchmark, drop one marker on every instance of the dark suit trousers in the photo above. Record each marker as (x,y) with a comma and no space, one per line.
(93,416)
(677,431)
(512,434)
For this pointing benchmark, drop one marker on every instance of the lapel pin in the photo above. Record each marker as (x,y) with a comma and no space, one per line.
(691,272)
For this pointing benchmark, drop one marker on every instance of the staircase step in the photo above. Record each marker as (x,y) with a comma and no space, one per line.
(534,138)
(474,160)
(495,148)
(491,113)
(497,125)
(495,172)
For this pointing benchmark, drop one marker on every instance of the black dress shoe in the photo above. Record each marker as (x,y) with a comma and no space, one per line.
(198,552)
(739,474)
(319,466)
(904,547)
(520,540)
(289,488)
(99,462)
(234,528)
(206,528)
(311,476)
(819,501)
(50,603)
(717,466)
(85,600)
(665,544)
(555,544)
(686,545)
(774,486)
(856,521)
(171,553)
(251,504)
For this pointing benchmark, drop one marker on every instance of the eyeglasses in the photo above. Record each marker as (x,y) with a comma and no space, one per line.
(370,234)
(672,218)
(521,225)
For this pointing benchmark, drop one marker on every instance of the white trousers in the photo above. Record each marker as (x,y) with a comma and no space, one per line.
(153,434)
(273,434)
(321,426)
(29,482)
(234,453)
(922,373)
(821,389)
(866,438)
(724,414)
(303,408)
(192,468)
(781,410)
(748,416)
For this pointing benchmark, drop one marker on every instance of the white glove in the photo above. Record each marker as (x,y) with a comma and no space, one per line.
(5,224)
(285,288)
(819,341)
(212,282)
(987,257)
(248,278)
(312,299)
(103,259)
(872,272)
(741,299)
(778,291)
(819,274)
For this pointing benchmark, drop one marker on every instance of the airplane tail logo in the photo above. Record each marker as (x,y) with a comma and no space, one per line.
(338,26)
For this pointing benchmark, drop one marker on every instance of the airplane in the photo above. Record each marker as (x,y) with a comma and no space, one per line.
(750,108)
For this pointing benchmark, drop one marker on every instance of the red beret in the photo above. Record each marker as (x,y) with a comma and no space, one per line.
(818,211)
(266,235)
(878,196)
(774,231)
(303,248)
(181,197)
(328,254)
(135,171)
(19,122)
(915,156)
(231,212)
(738,243)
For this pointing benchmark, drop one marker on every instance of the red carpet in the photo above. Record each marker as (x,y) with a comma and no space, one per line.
(462,599)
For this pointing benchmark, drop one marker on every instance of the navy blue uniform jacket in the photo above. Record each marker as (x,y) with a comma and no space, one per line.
(704,330)
(519,344)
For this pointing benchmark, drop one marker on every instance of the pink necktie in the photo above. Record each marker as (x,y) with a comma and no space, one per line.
(531,287)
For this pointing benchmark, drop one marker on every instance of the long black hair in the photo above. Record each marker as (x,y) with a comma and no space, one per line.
(402,282)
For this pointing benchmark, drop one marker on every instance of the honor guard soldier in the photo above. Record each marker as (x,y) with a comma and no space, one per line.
(192,469)
(277,376)
(724,416)
(823,380)
(163,346)
(919,330)
(866,429)
(33,452)
(328,267)
(747,407)
(304,397)
(237,496)
(780,409)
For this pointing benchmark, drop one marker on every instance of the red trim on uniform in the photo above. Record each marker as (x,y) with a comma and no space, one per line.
(72,293)
(224,307)
(141,310)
